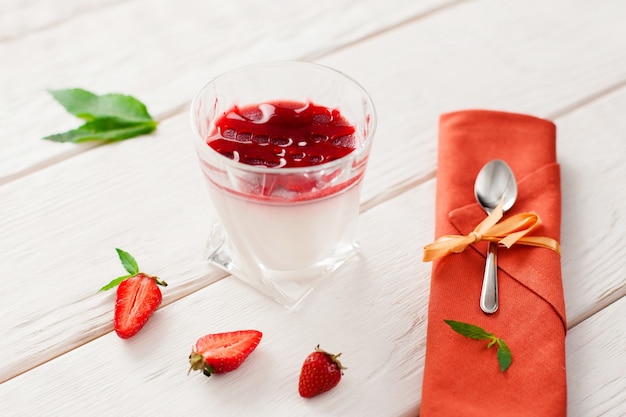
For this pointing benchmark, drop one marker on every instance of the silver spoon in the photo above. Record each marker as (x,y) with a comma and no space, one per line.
(494,182)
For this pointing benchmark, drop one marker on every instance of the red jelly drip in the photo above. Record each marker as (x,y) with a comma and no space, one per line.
(283,134)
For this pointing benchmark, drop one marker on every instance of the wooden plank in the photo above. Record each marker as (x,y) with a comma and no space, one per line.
(373,311)
(61,225)
(389,328)
(20,18)
(591,149)
(162,52)
(64,312)
(531,57)
(483,70)
(596,364)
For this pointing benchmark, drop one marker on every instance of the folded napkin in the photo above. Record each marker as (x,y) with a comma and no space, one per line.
(461,375)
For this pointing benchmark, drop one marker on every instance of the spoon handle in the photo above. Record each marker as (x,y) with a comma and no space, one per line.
(489,292)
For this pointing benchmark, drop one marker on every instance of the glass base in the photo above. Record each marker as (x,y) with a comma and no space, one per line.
(288,288)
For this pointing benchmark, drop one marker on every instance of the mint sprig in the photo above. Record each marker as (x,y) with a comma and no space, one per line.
(130,265)
(128,262)
(478,333)
(109,117)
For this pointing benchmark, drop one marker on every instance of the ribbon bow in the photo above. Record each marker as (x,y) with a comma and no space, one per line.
(507,233)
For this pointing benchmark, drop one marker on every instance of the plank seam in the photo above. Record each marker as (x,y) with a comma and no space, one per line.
(585,101)
(51,25)
(410,20)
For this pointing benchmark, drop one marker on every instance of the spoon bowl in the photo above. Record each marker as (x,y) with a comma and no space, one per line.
(495,182)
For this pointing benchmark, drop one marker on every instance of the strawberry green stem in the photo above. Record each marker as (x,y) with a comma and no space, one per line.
(196,360)
(159,281)
(333,357)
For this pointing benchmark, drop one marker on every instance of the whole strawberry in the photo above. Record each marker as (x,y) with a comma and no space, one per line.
(223,352)
(321,372)
(138,296)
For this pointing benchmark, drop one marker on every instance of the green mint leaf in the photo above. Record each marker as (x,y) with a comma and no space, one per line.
(89,106)
(128,262)
(117,281)
(109,117)
(469,330)
(504,355)
(104,130)
(478,333)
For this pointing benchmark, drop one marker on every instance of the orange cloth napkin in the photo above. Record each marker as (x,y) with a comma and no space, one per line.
(461,376)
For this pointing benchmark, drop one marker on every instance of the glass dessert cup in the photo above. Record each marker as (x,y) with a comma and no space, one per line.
(283,230)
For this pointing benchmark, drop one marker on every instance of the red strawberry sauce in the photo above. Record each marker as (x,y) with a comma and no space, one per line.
(283,134)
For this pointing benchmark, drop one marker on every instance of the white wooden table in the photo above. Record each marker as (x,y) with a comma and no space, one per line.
(65,207)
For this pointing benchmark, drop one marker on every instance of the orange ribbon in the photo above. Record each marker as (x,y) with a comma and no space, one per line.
(507,233)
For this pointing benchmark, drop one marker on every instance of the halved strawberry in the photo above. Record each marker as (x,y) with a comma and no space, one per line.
(138,295)
(137,298)
(223,352)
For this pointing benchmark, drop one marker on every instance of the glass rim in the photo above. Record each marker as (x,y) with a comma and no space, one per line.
(275,170)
